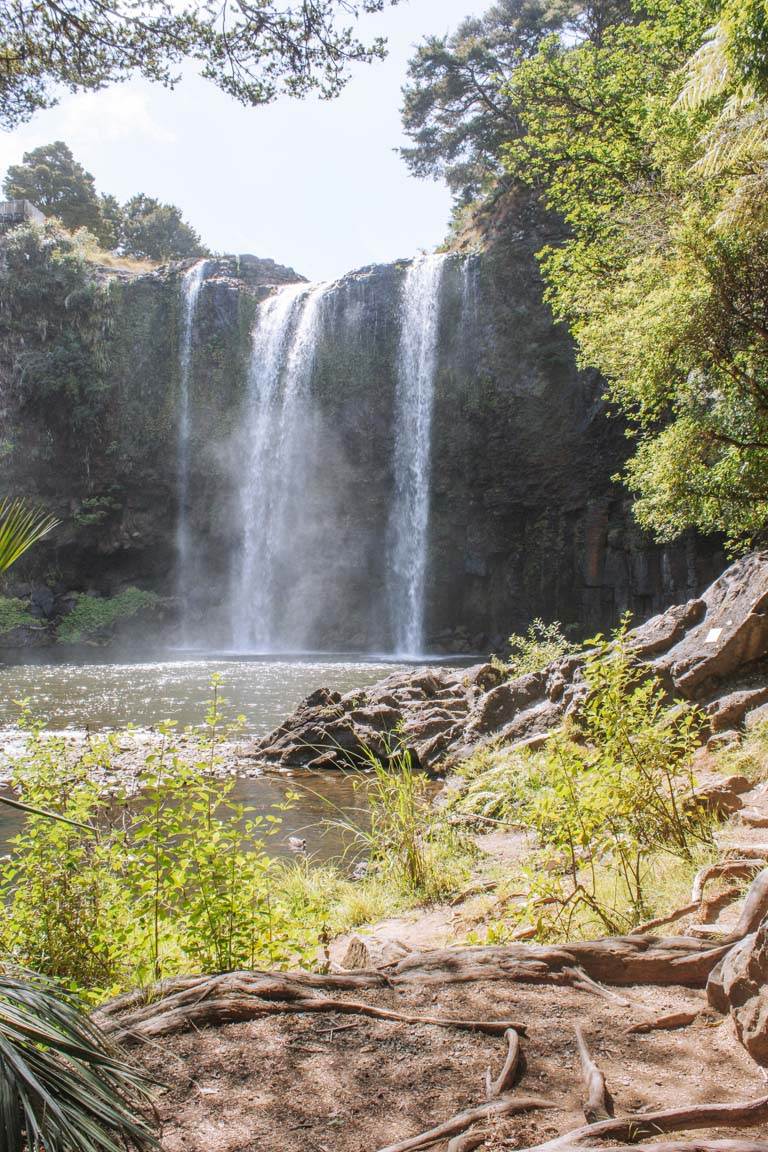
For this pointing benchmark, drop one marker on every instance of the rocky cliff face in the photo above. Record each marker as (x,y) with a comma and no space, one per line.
(524,517)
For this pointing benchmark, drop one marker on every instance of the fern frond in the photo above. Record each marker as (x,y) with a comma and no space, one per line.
(20,528)
(708,70)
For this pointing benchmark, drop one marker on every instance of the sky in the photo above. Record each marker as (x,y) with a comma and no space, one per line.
(316,185)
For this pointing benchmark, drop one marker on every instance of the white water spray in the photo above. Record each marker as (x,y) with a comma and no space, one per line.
(283,351)
(409,522)
(191,284)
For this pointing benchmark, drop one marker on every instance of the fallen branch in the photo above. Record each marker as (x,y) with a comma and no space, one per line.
(507,1106)
(506,1078)
(578,978)
(597,1100)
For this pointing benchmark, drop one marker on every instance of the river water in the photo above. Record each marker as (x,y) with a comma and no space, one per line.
(71,696)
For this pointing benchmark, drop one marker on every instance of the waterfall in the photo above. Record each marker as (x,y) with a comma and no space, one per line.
(274,485)
(409,523)
(191,284)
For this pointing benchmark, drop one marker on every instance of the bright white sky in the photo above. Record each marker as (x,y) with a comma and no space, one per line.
(318,186)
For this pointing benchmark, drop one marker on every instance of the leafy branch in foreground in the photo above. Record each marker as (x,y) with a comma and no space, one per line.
(20,528)
(63,1085)
(253,50)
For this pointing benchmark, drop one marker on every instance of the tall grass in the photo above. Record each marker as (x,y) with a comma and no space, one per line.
(405,838)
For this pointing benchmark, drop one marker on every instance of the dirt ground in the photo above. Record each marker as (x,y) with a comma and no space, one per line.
(333,1083)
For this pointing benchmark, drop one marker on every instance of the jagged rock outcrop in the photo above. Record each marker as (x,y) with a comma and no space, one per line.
(712,650)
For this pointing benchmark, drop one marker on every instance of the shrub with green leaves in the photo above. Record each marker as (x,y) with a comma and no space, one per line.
(404,838)
(607,798)
(13,614)
(541,645)
(132,889)
(97,616)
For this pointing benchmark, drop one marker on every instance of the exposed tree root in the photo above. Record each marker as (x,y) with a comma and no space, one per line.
(711,909)
(670,918)
(662,1023)
(597,1101)
(716,871)
(506,1106)
(506,1078)
(466,1143)
(631,1129)
(617,960)
(236,997)
(755,907)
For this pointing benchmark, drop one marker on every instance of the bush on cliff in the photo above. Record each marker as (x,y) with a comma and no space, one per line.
(96,617)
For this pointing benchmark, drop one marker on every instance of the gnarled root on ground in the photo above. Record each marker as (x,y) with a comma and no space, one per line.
(597,1101)
(235,997)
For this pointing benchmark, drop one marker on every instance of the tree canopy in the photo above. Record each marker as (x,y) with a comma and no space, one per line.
(154,231)
(253,49)
(457,109)
(644,127)
(653,147)
(144,228)
(54,181)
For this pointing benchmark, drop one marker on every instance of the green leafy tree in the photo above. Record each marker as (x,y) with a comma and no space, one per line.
(156,231)
(58,185)
(112,221)
(656,165)
(456,108)
(253,50)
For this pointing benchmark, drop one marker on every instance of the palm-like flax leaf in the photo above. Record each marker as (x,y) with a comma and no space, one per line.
(63,1086)
(20,528)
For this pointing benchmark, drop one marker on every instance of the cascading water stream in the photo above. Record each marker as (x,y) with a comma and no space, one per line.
(283,350)
(414,399)
(191,284)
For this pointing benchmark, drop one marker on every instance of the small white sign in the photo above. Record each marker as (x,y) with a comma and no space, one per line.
(713,635)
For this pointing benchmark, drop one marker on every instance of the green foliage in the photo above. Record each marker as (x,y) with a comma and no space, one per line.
(608,798)
(541,645)
(20,528)
(55,319)
(252,51)
(131,890)
(454,108)
(63,1087)
(659,167)
(95,510)
(142,228)
(13,614)
(154,231)
(457,110)
(403,838)
(55,183)
(96,615)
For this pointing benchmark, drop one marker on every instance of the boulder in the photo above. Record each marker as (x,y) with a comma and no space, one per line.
(731,634)
(712,650)
(739,985)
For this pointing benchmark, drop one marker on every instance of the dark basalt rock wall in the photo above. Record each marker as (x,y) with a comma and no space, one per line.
(525,519)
